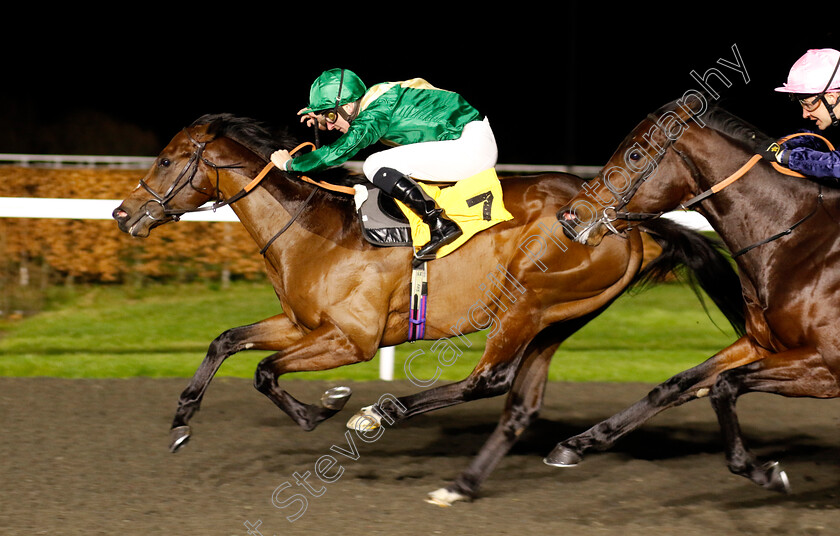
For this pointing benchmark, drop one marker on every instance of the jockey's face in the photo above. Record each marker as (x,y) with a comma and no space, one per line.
(339,124)
(818,112)
(336,121)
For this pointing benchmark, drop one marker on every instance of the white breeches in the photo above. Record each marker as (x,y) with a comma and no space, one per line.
(441,161)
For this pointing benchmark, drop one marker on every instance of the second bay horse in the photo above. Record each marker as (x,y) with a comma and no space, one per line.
(783,233)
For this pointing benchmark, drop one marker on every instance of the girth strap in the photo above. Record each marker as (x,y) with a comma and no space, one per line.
(417,305)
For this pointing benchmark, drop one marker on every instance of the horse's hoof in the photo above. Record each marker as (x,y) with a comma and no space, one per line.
(444,497)
(563,457)
(366,420)
(777,479)
(178,437)
(336,397)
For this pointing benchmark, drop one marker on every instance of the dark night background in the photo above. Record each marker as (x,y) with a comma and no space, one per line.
(560,86)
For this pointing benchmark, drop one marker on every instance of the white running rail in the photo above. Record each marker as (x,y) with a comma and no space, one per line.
(100,209)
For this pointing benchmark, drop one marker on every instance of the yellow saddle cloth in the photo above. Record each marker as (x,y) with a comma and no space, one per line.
(474,203)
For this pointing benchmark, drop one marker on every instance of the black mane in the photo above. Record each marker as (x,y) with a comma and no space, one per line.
(734,127)
(263,140)
(724,122)
(251,133)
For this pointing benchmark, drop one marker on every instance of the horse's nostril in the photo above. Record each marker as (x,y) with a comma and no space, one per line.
(119,214)
(568,216)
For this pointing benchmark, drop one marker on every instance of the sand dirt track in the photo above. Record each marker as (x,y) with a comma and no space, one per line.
(90,457)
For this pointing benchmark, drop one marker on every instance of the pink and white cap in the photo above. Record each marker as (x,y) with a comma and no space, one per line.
(810,74)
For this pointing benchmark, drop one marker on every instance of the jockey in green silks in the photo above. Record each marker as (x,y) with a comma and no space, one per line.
(434,134)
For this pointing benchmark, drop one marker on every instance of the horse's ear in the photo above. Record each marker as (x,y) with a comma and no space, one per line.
(214,124)
(212,129)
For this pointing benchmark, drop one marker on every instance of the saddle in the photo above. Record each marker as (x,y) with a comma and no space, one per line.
(474,203)
(383,223)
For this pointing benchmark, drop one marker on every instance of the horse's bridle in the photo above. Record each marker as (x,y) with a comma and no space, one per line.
(617,213)
(186,176)
(612,213)
(157,210)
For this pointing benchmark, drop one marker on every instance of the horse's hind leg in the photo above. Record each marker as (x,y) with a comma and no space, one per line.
(492,376)
(794,373)
(271,334)
(684,387)
(483,382)
(523,403)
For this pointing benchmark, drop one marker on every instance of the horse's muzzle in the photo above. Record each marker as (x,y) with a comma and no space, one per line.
(570,223)
(138,225)
(584,232)
(120,215)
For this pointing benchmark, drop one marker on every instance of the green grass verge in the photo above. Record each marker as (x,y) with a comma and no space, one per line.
(164,331)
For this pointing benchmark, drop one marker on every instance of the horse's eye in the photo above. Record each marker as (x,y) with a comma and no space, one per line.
(164,162)
(635,156)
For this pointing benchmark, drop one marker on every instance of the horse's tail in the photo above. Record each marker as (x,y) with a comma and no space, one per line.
(701,261)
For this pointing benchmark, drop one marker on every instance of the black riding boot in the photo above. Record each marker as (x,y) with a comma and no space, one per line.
(442,230)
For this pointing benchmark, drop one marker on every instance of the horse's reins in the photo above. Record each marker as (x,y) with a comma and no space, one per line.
(253,184)
(192,164)
(746,167)
(781,169)
(320,184)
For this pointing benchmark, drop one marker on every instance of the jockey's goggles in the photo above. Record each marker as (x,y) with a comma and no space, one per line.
(809,104)
(330,116)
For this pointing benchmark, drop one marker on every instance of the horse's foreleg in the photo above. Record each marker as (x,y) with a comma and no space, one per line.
(523,403)
(271,334)
(324,348)
(684,387)
(795,373)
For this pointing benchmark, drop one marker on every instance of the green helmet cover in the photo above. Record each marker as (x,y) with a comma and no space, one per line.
(335,87)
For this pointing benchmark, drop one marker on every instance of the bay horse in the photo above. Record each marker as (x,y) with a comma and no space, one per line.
(342,298)
(782,232)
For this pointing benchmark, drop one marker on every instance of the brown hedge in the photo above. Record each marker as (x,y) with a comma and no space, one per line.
(97,251)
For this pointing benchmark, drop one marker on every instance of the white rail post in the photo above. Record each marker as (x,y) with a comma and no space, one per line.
(386,363)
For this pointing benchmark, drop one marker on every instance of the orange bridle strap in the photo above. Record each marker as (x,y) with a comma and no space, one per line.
(737,175)
(746,167)
(752,161)
(327,186)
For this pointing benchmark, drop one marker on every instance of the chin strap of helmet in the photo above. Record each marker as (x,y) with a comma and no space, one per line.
(834,120)
(352,115)
(830,108)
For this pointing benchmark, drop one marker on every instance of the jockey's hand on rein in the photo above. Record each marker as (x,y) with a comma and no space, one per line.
(280,157)
(773,152)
